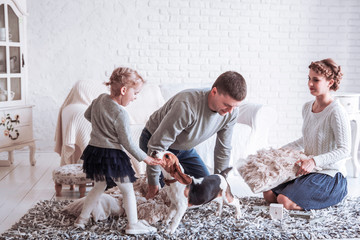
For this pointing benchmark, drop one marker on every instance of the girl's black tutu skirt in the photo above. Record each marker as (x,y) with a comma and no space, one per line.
(101,163)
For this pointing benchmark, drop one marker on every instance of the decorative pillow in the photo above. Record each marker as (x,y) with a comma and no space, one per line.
(269,168)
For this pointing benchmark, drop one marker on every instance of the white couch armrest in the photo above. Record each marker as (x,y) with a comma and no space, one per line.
(260,118)
(250,134)
(139,167)
(72,132)
(75,133)
(148,101)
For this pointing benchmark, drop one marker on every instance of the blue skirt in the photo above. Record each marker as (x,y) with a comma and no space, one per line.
(314,190)
(100,163)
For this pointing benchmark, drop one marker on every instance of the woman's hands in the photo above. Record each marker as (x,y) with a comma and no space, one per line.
(306,166)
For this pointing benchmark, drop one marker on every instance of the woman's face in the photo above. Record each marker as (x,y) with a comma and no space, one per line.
(318,84)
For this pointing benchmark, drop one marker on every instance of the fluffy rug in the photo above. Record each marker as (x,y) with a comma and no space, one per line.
(47,220)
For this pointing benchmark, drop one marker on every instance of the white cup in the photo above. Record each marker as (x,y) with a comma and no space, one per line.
(2,34)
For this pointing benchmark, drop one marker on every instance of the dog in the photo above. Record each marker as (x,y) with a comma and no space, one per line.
(185,191)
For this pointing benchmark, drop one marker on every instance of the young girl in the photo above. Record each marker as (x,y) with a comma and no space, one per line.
(326,136)
(104,157)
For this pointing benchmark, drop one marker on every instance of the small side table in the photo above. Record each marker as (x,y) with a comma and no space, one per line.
(11,149)
(16,132)
(350,101)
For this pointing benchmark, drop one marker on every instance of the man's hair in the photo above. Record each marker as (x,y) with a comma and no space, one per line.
(231,83)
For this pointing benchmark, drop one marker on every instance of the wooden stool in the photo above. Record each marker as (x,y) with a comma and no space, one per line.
(70,174)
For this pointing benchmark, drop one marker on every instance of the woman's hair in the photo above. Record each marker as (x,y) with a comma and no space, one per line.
(232,84)
(121,77)
(329,69)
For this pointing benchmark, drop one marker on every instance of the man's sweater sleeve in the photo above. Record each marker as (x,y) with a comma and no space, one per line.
(178,118)
(222,150)
(175,121)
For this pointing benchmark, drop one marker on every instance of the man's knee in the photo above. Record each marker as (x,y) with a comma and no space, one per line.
(193,164)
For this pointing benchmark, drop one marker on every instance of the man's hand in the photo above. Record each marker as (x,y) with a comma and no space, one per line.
(306,166)
(152,191)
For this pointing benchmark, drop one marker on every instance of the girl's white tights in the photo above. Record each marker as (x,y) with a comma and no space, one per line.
(129,200)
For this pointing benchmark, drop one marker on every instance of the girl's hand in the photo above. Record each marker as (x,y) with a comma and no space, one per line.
(306,166)
(152,161)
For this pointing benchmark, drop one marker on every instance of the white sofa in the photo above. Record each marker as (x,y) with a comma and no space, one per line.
(73,130)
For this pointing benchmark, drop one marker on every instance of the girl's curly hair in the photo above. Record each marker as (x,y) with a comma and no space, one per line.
(329,69)
(123,76)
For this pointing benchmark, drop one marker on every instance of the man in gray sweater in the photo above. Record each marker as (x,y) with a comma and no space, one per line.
(189,118)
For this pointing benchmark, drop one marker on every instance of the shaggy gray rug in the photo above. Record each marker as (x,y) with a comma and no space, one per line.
(47,221)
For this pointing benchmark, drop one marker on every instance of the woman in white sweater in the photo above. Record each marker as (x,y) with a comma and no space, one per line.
(326,137)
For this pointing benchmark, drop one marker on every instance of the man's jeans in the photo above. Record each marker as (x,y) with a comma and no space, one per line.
(189,159)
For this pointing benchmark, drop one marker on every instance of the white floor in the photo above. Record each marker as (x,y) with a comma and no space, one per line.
(22,186)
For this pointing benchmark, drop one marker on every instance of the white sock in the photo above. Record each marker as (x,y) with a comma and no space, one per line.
(129,201)
(92,198)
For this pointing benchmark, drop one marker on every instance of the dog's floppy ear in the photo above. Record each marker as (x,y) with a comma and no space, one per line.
(179,175)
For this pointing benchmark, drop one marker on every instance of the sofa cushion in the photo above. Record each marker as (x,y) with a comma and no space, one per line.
(169,90)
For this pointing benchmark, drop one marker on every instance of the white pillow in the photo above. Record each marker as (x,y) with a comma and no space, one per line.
(169,90)
(269,168)
(240,144)
(139,167)
(148,101)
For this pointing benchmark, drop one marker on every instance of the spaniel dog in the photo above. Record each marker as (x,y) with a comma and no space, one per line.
(185,191)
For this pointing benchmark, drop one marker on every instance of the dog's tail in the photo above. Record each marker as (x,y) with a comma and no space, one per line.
(225,172)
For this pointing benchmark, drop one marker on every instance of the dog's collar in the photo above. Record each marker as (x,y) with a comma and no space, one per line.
(169,181)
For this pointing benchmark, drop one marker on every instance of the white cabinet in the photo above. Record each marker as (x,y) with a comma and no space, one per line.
(16,128)
(350,101)
(12,55)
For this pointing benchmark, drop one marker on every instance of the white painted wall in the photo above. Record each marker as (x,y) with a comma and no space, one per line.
(270,42)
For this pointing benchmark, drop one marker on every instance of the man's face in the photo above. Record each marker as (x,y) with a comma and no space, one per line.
(221,103)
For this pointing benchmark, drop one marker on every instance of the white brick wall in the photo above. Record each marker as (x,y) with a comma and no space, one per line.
(270,42)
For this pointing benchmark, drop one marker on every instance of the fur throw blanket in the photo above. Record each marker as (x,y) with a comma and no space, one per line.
(269,168)
(110,204)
